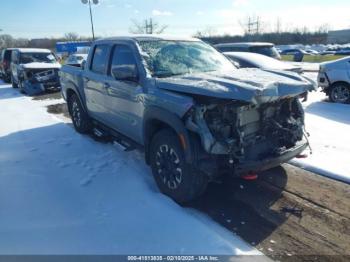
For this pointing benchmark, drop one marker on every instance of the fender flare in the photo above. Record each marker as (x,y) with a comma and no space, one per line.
(70,86)
(154,113)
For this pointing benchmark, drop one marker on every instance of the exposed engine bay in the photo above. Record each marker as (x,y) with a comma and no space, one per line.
(35,81)
(249,132)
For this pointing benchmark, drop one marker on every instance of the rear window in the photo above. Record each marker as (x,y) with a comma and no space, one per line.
(100,59)
(270,51)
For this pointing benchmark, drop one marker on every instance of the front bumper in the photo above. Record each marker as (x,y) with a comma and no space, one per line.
(36,87)
(322,80)
(261,165)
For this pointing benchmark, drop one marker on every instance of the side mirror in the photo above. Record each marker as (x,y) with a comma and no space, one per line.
(83,64)
(125,73)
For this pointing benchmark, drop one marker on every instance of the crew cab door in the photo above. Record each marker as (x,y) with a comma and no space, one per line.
(95,78)
(124,98)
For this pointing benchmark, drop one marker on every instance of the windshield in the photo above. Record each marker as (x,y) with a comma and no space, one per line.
(168,58)
(26,58)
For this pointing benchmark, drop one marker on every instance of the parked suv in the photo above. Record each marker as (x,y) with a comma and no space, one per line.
(334,79)
(193,113)
(5,64)
(267,49)
(34,70)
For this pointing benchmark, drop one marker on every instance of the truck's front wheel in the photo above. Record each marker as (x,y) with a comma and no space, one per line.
(173,175)
(80,118)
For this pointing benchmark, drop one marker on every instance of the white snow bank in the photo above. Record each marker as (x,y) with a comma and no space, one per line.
(329,127)
(64,193)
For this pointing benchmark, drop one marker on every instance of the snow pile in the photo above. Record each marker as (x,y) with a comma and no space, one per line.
(64,193)
(329,127)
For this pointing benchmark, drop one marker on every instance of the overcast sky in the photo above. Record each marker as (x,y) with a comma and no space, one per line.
(46,18)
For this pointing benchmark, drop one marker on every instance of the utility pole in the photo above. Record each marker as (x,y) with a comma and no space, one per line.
(95,2)
(149,26)
(253,26)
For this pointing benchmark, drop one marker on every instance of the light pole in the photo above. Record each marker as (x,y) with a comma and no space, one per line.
(95,2)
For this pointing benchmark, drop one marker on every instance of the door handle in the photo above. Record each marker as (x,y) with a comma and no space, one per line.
(106,85)
(86,79)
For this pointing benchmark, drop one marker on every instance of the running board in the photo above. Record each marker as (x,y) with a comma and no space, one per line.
(103,132)
(125,146)
(99,133)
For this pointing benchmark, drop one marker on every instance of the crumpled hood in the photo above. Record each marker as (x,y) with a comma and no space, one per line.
(249,85)
(37,65)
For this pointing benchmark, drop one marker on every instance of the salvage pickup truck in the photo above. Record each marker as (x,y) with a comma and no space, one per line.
(194,114)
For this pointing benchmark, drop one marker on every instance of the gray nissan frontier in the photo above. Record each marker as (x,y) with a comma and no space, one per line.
(195,115)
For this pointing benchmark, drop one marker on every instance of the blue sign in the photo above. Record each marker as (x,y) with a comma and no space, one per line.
(71,47)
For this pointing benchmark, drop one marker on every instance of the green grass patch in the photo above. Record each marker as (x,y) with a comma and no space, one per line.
(314,58)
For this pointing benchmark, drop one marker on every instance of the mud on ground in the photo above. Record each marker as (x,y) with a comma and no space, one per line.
(289,214)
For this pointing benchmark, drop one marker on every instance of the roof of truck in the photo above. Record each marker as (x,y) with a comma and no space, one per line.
(149,37)
(33,50)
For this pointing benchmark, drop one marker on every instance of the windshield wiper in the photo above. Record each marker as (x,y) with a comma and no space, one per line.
(165,75)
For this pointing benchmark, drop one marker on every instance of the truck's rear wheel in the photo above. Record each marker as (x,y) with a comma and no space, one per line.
(173,175)
(80,118)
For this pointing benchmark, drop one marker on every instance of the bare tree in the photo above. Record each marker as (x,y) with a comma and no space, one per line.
(323,29)
(71,36)
(6,41)
(209,31)
(278,25)
(147,26)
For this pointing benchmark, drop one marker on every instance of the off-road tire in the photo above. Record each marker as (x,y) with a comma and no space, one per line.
(167,154)
(339,93)
(80,118)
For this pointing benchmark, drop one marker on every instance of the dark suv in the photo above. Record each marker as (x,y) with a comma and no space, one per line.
(267,49)
(5,64)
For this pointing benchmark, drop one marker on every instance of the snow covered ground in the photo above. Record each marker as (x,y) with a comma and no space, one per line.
(64,193)
(329,127)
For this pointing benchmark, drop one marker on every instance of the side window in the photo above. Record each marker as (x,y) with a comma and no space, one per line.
(100,59)
(122,56)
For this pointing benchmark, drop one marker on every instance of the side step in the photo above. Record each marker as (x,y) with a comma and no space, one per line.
(125,146)
(108,136)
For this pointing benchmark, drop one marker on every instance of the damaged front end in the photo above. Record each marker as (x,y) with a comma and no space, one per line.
(36,81)
(241,137)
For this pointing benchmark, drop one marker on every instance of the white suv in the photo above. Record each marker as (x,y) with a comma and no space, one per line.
(334,78)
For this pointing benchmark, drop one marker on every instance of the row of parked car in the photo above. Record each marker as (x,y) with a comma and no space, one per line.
(333,77)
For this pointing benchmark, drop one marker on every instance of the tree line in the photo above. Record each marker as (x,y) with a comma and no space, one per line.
(7,41)
(285,38)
